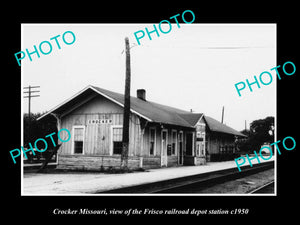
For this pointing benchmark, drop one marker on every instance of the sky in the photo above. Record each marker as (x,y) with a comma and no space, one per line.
(192,67)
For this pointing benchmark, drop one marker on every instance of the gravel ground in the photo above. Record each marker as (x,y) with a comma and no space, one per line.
(242,185)
(78,183)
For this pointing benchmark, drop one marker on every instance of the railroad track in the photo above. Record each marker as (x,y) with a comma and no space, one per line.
(264,188)
(193,183)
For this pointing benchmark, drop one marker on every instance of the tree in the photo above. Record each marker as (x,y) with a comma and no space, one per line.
(261,131)
(34,129)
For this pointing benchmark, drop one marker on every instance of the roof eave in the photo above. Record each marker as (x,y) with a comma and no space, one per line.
(217,131)
(97,91)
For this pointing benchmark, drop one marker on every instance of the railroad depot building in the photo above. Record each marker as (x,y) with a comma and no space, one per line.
(159,135)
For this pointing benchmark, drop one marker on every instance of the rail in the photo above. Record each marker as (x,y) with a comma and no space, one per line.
(191,183)
(262,189)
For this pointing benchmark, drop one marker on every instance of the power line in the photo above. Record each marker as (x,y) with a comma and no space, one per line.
(29,96)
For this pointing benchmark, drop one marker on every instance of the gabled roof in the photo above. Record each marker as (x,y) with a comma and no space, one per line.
(151,111)
(154,112)
(216,126)
(192,118)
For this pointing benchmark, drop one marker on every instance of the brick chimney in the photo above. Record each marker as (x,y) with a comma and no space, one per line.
(141,94)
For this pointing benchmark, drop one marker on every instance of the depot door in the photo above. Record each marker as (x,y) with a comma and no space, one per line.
(189,144)
(164,144)
(180,148)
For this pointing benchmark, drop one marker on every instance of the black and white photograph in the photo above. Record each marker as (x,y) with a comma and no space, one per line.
(135,112)
(188,130)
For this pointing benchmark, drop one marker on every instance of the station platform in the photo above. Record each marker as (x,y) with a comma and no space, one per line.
(88,183)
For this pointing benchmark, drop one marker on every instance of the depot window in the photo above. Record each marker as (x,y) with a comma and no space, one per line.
(117,133)
(78,142)
(152,141)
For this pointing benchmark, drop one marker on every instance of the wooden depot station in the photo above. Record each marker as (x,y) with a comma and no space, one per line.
(160,136)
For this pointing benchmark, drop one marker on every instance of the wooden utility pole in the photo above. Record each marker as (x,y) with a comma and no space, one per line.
(125,137)
(29,96)
(222,114)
